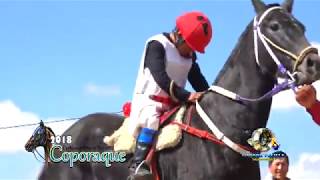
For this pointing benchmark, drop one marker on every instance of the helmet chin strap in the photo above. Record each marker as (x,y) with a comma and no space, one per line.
(178,41)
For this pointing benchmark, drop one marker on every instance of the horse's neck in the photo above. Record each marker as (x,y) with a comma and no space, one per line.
(242,76)
(47,147)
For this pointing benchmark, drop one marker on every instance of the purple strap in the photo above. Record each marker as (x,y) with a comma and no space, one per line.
(274,91)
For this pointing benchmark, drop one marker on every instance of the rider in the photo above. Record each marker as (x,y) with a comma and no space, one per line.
(306,96)
(168,61)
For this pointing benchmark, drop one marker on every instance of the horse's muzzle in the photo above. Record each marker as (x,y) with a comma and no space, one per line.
(28,147)
(309,70)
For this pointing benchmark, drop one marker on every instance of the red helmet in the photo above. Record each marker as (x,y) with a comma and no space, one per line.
(195,28)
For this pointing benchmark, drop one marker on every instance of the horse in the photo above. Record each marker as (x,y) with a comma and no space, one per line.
(41,137)
(273,45)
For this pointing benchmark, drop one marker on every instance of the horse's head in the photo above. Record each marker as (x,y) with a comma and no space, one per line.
(277,28)
(40,137)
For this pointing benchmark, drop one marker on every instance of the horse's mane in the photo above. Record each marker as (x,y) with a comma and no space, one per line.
(273,5)
(50,130)
(239,44)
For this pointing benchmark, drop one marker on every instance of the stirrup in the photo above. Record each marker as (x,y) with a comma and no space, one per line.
(143,174)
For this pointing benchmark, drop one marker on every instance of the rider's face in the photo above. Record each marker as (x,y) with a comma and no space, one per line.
(185,50)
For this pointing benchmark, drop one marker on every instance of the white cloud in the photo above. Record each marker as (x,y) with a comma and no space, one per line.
(286,99)
(307,168)
(99,90)
(14,139)
(35,174)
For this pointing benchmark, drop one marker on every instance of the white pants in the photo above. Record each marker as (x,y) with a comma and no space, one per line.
(145,113)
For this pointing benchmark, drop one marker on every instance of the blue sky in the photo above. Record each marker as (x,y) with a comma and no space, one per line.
(62,59)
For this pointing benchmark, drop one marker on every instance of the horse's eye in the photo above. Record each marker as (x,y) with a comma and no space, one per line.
(274,26)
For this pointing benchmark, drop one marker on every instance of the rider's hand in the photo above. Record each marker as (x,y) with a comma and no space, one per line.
(306,96)
(195,96)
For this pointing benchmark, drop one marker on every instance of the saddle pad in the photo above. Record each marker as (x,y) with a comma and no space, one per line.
(169,136)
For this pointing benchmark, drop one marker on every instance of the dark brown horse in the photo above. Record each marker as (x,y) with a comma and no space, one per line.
(41,137)
(270,45)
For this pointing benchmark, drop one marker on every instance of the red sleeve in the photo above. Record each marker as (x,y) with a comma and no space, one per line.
(315,112)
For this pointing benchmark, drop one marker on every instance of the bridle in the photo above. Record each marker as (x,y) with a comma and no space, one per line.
(45,139)
(288,83)
(266,41)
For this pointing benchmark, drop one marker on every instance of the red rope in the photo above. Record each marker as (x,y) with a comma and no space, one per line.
(199,133)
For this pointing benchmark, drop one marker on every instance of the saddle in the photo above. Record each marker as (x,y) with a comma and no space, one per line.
(170,133)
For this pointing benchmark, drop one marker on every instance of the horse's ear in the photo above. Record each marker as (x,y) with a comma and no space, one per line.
(287,4)
(41,123)
(259,6)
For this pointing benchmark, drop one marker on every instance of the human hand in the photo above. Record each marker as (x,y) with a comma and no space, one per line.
(195,96)
(306,96)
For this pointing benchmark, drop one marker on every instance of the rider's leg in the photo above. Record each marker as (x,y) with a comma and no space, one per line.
(149,119)
(139,169)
